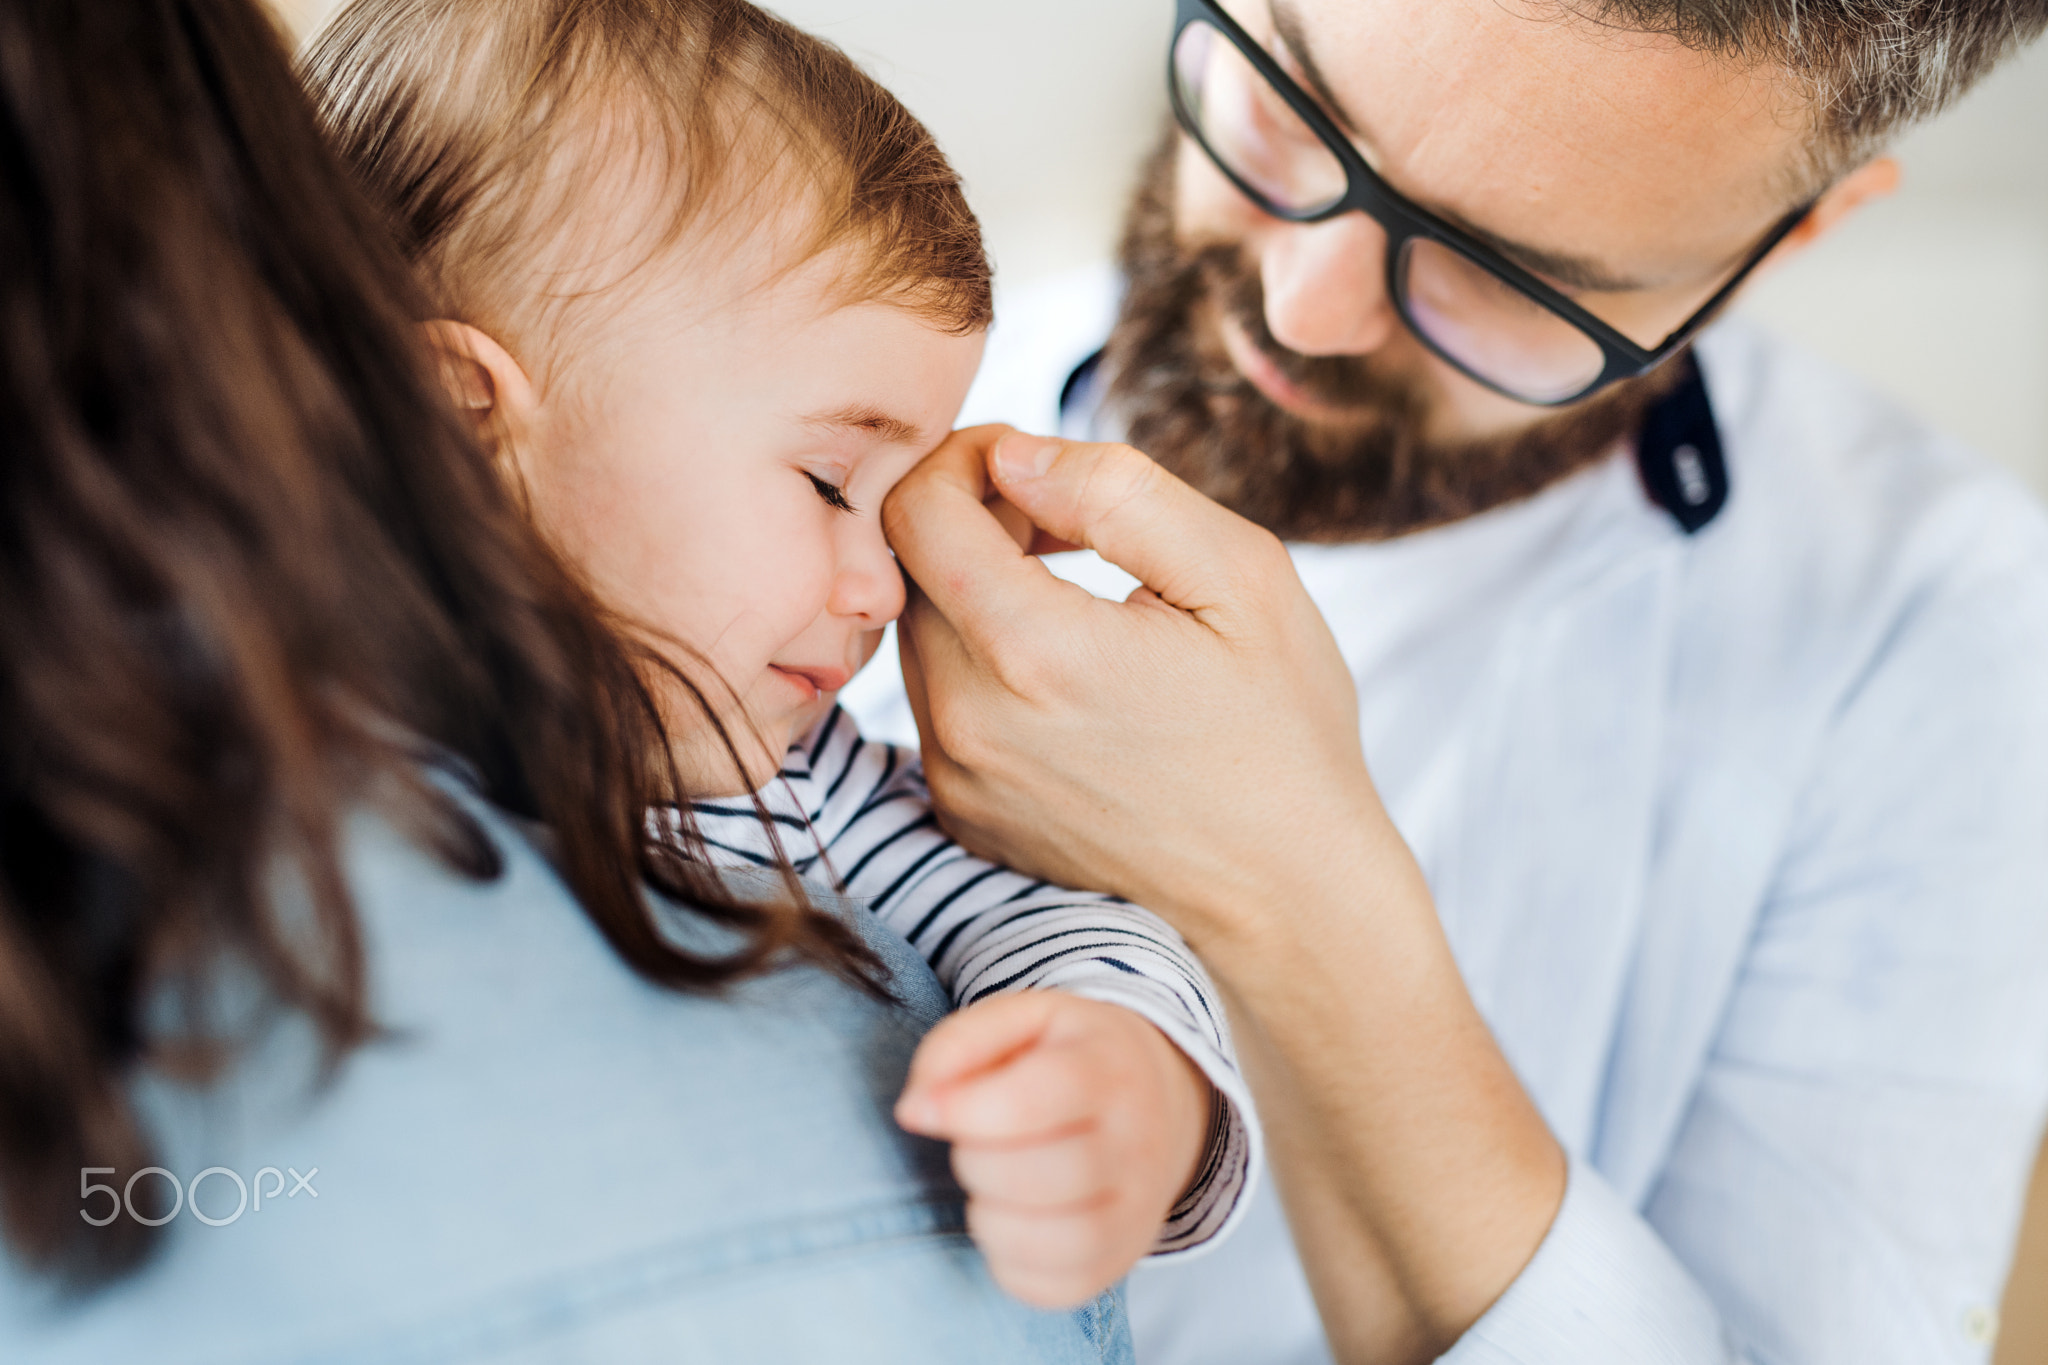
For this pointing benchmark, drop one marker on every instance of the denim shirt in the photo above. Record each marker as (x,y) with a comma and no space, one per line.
(546,1158)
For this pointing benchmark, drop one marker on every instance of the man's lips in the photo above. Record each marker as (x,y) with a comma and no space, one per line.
(1256,366)
(818,680)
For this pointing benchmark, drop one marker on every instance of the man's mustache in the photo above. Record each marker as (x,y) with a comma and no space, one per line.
(1337,381)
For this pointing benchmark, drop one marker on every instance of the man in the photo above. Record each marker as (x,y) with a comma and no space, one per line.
(1709,1018)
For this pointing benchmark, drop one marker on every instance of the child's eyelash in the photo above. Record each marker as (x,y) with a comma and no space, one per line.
(833,495)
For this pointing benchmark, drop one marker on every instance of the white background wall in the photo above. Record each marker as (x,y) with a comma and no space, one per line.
(1939,296)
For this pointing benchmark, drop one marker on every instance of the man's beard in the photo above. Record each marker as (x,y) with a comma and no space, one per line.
(1364,473)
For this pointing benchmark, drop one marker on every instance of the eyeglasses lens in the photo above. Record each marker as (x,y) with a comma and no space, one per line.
(1249,128)
(1466,311)
(1491,329)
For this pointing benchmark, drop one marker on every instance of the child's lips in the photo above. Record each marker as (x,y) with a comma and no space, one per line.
(817,680)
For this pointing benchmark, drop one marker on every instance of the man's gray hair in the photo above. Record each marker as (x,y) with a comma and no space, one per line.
(1867,68)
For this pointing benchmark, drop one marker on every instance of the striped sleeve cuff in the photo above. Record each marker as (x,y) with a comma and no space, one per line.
(1221,1192)
(1602,1289)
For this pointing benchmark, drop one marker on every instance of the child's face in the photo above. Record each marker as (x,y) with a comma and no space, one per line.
(718,475)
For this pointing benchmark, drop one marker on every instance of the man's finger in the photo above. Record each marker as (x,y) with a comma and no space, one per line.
(956,550)
(926,639)
(1120,504)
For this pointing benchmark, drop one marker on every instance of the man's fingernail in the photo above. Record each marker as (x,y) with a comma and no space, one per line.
(1022,458)
(915,1114)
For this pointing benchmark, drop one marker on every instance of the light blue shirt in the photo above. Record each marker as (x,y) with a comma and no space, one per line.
(548,1159)
(1741,841)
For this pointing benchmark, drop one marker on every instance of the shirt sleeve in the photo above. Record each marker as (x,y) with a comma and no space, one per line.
(857,816)
(1602,1289)
(1847,1182)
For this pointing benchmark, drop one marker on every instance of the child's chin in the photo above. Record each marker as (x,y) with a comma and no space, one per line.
(778,733)
(710,770)
(805,718)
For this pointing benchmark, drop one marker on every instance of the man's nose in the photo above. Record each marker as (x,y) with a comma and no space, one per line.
(867,585)
(1326,286)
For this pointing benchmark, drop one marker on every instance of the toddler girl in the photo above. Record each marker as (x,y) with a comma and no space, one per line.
(710,292)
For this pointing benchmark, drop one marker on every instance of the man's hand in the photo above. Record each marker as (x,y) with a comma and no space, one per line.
(1076,1127)
(1195,749)
(1218,673)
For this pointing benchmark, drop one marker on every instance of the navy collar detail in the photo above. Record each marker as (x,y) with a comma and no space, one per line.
(1678,453)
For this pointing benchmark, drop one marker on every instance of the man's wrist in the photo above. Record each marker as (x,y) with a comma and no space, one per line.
(1261,921)
(1386,1093)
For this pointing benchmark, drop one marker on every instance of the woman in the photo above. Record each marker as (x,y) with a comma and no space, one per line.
(334,1019)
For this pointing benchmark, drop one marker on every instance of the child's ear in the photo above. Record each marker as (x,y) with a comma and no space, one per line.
(484,381)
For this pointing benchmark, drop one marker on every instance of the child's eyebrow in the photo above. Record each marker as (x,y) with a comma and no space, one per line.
(871,421)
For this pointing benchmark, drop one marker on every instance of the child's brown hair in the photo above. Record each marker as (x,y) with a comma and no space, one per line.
(478,123)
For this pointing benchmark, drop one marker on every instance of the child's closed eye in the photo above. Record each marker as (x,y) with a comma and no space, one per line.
(834,496)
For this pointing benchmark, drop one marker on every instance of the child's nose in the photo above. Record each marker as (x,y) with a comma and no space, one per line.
(868,584)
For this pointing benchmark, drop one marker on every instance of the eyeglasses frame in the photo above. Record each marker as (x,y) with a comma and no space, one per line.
(1403,220)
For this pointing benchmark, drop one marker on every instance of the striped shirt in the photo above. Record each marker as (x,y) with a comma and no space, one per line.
(857,818)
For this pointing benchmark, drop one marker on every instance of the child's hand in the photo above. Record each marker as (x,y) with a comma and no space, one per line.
(1076,1127)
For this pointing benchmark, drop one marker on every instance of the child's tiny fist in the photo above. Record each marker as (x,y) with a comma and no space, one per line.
(1076,1127)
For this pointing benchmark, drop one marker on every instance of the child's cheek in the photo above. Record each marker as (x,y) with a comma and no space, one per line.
(819,580)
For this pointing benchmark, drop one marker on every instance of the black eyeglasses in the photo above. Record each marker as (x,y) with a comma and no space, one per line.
(1493,320)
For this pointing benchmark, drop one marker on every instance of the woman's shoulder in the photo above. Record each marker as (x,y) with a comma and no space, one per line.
(544,1151)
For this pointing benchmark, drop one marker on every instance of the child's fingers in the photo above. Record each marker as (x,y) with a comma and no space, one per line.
(979,1039)
(1035,1096)
(1049,1261)
(1071,1174)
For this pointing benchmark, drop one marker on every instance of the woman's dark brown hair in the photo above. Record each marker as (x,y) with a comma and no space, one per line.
(253,576)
